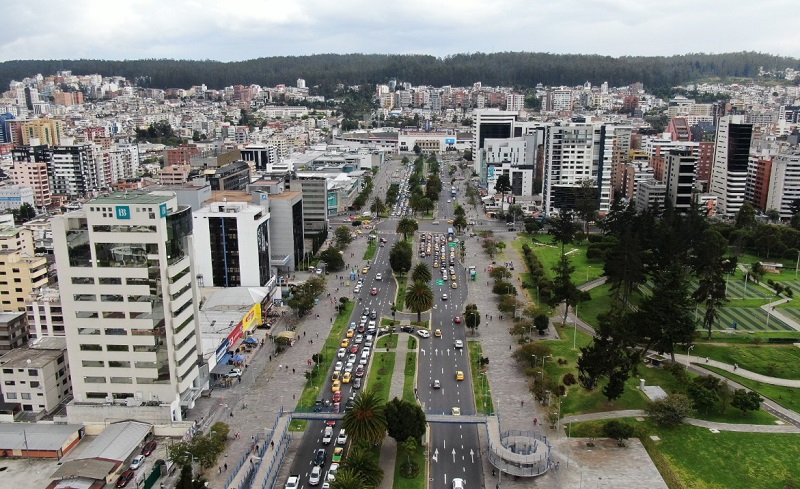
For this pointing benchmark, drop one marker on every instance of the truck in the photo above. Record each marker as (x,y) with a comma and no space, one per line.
(472,272)
(327,436)
(293,482)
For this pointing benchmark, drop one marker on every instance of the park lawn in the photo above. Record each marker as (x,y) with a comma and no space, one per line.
(418,481)
(772,360)
(741,338)
(380,374)
(372,247)
(585,270)
(409,376)
(387,341)
(480,387)
(600,303)
(691,456)
(787,397)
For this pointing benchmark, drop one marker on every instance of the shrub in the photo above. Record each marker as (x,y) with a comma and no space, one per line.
(569,379)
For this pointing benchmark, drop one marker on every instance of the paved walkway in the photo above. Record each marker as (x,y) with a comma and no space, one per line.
(638,413)
(747,374)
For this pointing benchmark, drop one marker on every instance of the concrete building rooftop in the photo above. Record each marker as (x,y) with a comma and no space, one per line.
(286,194)
(131,197)
(29,358)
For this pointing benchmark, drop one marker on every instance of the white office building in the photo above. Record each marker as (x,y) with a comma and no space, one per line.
(128,300)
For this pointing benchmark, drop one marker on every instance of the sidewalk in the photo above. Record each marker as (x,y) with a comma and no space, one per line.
(637,413)
(747,374)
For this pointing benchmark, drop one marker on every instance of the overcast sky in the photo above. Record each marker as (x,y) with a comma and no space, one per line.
(228,30)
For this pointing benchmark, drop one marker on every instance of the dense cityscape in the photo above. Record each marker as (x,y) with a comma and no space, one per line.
(399,285)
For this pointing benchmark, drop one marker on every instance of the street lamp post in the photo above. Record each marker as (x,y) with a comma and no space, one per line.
(689,354)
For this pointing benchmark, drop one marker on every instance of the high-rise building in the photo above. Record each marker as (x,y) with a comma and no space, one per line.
(731,154)
(515,102)
(30,170)
(286,213)
(21,270)
(492,124)
(315,203)
(44,131)
(784,182)
(681,177)
(231,245)
(72,170)
(128,300)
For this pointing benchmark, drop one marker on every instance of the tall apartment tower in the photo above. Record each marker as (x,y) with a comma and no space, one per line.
(128,300)
(731,154)
(681,178)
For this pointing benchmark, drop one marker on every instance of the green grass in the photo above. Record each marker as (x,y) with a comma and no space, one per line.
(389,322)
(782,361)
(741,338)
(400,300)
(418,482)
(387,341)
(372,247)
(311,391)
(380,374)
(784,396)
(693,457)
(585,270)
(412,343)
(483,395)
(408,377)
(420,324)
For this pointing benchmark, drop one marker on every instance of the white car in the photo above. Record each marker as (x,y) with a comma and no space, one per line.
(444,297)
(338,366)
(137,462)
(366,351)
(349,367)
(363,360)
(342,438)
(459,344)
(378,276)
(341,353)
(458,483)
(424,333)
(334,468)
(351,358)
(316,475)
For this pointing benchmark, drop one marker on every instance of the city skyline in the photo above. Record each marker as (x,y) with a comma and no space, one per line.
(244,29)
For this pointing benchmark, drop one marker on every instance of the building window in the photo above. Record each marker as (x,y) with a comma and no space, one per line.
(94,380)
(32,372)
(89,331)
(117,348)
(111,298)
(10,382)
(93,363)
(96,395)
(84,297)
(122,380)
(116,331)
(26,396)
(110,281)
(34,385)
(91,348)
(11,395)
(119,364)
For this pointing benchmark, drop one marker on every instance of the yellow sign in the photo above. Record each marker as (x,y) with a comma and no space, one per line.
(253,318)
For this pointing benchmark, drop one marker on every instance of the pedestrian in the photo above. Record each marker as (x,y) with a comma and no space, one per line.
(317,334)
(272,444)
(231,414)
(220,469)
(292,370)
(294,396)
(509,347)
(311,341)
(706,359)
(304,334)
(535,421)
(735,366)
(280,367)
(521,403)
(226,466)
(240,379)
(252,437)
(270,358)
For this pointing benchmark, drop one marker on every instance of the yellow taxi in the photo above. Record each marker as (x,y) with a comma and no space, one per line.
(336,386)
(436,264)
(345,343)
(365,270)
(453,285)
(459,375)
(453,277)
(346,378)
(438,333)
(350,332)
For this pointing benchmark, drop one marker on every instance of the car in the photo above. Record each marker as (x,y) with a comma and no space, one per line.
(338,453)
(444,297)
(339,366)
(453,285)
(351,358)
(406,329)
(362,328)
(371,326)
(350,333)
(137,462)
(365,352)
(373,314)
(365,270)
(335,386)
(436,264)
(126,477)
(320,454)
(378,276)
(374,291)
(423,333)
(437,333)
(346,378)
(459,375)
(341,353)
(342,438)
(353,349)
(149,448)
(234,373)
(363,360)
(357,383)
(453,276)
(456,411)
(349,367)
(458,483)
(459,344)
(327,435)
(336,406)
(457,319)
(315,476)
(330,422)
(360,371)
(436,384)
(357,289)
(336,376)
(334,468)
(337,396)
(345,343)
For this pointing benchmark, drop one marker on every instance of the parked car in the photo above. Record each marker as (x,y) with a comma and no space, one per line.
(149,448)
(126,477)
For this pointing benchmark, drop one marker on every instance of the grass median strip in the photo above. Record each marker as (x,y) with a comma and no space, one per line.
(372,247)
(480,384)
(380,374)
(418,467)
(408,379)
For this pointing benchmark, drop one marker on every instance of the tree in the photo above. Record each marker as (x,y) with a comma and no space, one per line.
(467,152)
(472,317)
(343,237)
(25,213)
(406,226)
(417,149)
(541,322)
(378,207)
(460,222)
(670,411)
(586,201)
(405,420)
(531,354)
(618,430)
(757,271)
(746,217)
(367,420)
(500,273)
(333,259)
(421,273)
(349,479)
(744,400)
(419,297)
(711,267)
(563,229)
(616,385)
(185,481)
(666,317)
(400,257)
(703,397)
(564,290)
(410,447)
(502,185)
(362,463)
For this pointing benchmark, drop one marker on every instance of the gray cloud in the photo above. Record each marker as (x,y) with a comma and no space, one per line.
(244,29)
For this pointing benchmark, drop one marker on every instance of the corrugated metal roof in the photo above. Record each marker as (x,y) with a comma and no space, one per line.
(13,436)
(117,441)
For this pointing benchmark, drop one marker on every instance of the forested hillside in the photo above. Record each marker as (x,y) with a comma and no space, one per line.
(327,70)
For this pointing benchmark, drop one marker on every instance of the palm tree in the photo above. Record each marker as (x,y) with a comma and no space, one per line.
(419,297)
(348,479)
(421,273)
(366,421)
(406,226)
(378,207)
(364,465)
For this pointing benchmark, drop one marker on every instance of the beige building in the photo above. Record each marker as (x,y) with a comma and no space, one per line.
(36,377)
(13,330)
(33,175)
(20,271)
(42,131)
(175,174)
(45,318)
